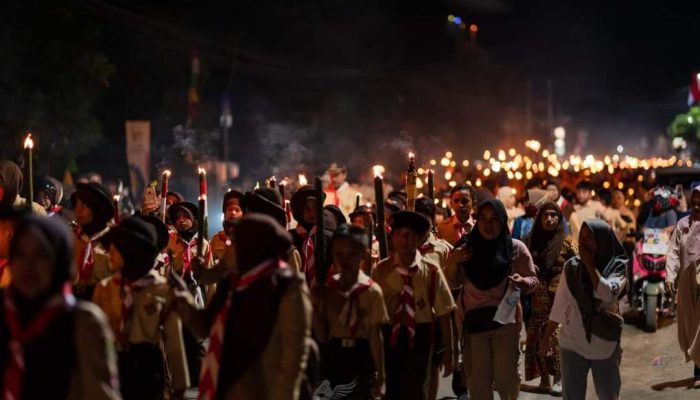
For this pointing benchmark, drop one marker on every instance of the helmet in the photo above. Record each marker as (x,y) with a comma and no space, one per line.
(664,199)
(48,188)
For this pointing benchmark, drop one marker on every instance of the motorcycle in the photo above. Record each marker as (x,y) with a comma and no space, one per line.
(648,288)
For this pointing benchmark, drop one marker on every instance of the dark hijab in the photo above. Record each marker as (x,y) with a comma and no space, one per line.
(55,235)
(10,181)
(492,259)
(611,261)
(136,241)
(253,312)
(545,246)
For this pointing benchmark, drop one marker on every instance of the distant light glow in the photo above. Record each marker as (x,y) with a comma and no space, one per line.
(473,28)
(457,20)
(451,18)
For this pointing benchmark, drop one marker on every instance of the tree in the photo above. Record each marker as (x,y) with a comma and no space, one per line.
(687,127)
(52,73)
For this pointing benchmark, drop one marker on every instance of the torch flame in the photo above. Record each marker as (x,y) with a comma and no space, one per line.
(302,180)
(166,173)
(378,170)
(28,142)
(411,156)
(201,170)
(285,181)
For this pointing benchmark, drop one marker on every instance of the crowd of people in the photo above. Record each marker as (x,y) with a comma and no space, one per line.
(309,302)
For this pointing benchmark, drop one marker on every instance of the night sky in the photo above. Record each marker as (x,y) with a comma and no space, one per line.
(361,82)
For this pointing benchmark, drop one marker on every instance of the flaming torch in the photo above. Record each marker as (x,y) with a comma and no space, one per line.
(379,198)
(358,199)
(115,203)
(302,180)
(281,186)
(411,177)
(28,146)
(202,210)
(319,239)
(272,182)
(201,206)
(431,184)
(164,193)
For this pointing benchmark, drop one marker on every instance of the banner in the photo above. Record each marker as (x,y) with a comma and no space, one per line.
(138,155)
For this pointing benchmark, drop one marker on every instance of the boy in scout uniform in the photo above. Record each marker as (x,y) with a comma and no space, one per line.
(462,200)
(136,300)
(233,210)
(93,212)
(437,252)
(416,294)
(349,314)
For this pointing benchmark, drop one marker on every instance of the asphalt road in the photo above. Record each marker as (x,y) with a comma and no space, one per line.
(649,359)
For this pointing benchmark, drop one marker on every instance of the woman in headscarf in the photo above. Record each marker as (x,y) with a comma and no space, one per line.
(10,185)
(683,277)
(550,248)
(587,307)
(51,346)
(506,195)
(493,269)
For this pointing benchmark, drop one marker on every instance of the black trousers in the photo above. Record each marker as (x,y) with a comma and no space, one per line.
(141,372)
(408,367)
(350,361)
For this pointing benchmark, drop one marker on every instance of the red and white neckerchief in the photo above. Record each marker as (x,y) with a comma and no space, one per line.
(309,259)
(3,266)
(55,210)
(127,289)
(187,254)
(348,314)
(406,310)
(331,189)
(20,336)
(209,375)
(426,248)
(87,256)
(562,202)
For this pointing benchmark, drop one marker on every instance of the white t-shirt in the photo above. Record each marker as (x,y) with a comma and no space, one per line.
(572,335)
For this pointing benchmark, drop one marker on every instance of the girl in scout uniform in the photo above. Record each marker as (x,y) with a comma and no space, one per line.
(233,210)
(93,215)
(183,250)
(348,315)
(136,300)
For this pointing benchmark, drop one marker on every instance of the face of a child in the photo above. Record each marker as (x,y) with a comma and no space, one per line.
(233,210)
(183,222)
(32,265)
(347,255)
(310,211)
(405,241)
(83,213)
(116,262)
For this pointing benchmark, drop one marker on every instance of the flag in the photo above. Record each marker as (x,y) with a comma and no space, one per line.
(138,154)
(694,90)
